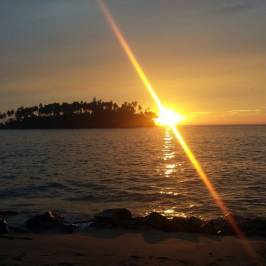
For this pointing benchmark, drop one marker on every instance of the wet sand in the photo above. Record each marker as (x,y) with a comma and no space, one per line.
(118,247)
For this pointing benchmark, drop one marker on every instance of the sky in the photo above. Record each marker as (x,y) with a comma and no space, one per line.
(205,58)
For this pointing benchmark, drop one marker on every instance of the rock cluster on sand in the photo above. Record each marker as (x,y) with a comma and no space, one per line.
(122,218)
(48,221)
(219,226)
(216,226)
(118,217)
(186,224)
(157,221)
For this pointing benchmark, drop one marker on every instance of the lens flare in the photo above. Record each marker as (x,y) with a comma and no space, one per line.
(167,117)
(123,42)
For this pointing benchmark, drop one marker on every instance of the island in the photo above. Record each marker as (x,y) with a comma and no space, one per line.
(78,115)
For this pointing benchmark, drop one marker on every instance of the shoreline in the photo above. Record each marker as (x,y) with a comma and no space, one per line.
(123,247)
(114,237)
(121,218)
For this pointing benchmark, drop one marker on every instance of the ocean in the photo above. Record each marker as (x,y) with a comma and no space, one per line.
(81,172)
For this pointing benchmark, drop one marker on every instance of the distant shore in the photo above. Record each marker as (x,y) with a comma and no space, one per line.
(148,125)
(84,115)
(74,128)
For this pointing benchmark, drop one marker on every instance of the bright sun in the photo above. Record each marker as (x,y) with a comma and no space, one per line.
(168,118)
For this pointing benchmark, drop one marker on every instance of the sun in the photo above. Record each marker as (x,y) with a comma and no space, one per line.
(169,118)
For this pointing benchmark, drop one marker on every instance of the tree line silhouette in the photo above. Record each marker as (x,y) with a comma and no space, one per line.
(94,114)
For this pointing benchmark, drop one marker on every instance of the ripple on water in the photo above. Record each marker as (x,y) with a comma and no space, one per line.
(141,169)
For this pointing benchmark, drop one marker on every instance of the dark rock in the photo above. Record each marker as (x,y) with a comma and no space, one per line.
(18,230)
(254,226)
(48,221)
(183,224)
(157,221)
(8,213)
(113,217)
(178,224)
(114,214)
(137,223)
(216,226)
(3,226)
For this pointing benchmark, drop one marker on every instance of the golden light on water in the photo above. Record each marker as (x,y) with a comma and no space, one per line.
(171,119)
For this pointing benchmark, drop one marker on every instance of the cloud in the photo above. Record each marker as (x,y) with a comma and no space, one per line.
(234,6)
(202,113)
(238,111)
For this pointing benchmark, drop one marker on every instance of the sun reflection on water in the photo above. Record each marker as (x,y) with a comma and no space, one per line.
(169,169)
(169,153)
(169,193)
(170,213)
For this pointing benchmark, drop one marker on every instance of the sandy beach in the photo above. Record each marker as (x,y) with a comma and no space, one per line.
(120,247)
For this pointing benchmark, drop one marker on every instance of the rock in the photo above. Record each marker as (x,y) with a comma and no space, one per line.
(254,226)
(113,217)
(8,213)
(3,226)
(137,223)
(18,230)
(183,224)
(114,214)
(158,221)
(250,226)
(216,226)
(48,221)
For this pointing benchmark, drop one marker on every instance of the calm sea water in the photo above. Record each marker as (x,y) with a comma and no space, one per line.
(85,171)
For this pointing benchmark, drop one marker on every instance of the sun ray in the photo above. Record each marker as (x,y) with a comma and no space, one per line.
(123,42)
(171,120)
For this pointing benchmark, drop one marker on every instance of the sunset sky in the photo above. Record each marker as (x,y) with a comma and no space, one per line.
(205,58)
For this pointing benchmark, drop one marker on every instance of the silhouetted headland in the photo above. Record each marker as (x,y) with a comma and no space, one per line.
(94,114)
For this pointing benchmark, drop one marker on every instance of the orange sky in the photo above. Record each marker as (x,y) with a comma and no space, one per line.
(204,58)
